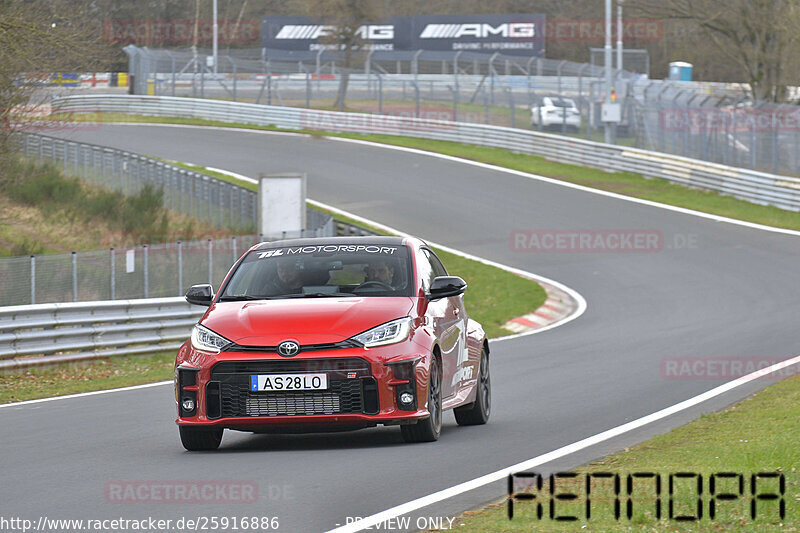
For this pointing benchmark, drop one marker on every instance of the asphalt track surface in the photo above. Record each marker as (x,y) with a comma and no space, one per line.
(733,292)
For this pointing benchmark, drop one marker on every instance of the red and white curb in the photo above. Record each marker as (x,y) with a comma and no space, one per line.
(555,308)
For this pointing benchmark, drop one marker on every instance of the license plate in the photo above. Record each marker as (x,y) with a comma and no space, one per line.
(288,382)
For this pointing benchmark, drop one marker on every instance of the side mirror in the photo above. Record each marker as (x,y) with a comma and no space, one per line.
(200,294)
(445,286)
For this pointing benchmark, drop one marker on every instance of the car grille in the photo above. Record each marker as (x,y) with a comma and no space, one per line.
(352,389)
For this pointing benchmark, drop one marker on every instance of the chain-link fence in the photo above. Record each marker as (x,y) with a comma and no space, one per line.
(723,128)
(219,203)
(711,121)
(147,271)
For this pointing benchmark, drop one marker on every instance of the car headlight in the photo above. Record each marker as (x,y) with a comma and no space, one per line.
(388,333)
(206,340)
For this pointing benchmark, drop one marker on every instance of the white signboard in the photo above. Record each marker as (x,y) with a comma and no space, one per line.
(612,113)
(281,204)
(130,261)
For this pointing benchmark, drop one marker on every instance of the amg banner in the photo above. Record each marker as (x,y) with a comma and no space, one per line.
(519,34)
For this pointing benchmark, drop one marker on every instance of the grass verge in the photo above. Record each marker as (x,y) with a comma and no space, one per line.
(756,435)
(43,211)
(626,183)
(73,378)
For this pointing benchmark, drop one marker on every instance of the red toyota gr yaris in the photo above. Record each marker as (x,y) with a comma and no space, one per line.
(332,334)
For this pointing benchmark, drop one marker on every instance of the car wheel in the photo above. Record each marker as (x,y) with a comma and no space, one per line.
(428,430)
(478,412)
(200,439)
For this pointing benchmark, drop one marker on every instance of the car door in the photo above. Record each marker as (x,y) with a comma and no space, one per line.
(452,331)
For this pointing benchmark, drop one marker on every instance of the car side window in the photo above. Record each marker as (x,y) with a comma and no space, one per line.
(436,264)
(425,270)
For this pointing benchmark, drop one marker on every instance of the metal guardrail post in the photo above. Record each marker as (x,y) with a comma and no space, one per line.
(220,205)
(380,94)
(455,102)
(308,88)
(492,74)
(74,277)
(511,106)
(210,262)
(113,274)
(180,268)
(775,128)
(753,143)
(145,255)
(415,64)
(416,99)
(33,279)
(485,106)
(235,75)
(269,83)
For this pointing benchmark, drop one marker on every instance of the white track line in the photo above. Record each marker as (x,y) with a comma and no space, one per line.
(84,394)
(405,508)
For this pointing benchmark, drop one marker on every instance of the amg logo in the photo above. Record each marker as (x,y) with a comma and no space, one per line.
(513,30)
(315,31)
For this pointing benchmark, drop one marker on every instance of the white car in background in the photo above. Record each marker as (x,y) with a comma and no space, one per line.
(555,111)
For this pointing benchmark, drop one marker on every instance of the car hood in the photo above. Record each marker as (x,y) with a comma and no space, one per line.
(307,321)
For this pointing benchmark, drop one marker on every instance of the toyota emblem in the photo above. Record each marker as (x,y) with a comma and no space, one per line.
(288,349)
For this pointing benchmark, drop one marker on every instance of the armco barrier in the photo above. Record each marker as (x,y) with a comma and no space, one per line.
(36,335)
(757,187)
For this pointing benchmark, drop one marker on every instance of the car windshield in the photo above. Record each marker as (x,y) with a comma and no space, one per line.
(332,270)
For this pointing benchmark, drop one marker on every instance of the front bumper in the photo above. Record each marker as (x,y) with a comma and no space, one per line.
(363,391)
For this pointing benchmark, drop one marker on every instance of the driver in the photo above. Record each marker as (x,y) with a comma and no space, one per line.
(288,279)
(379,270)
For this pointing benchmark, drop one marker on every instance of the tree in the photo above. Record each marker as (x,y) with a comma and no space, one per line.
(36,38)
(346,19)
(760,36)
